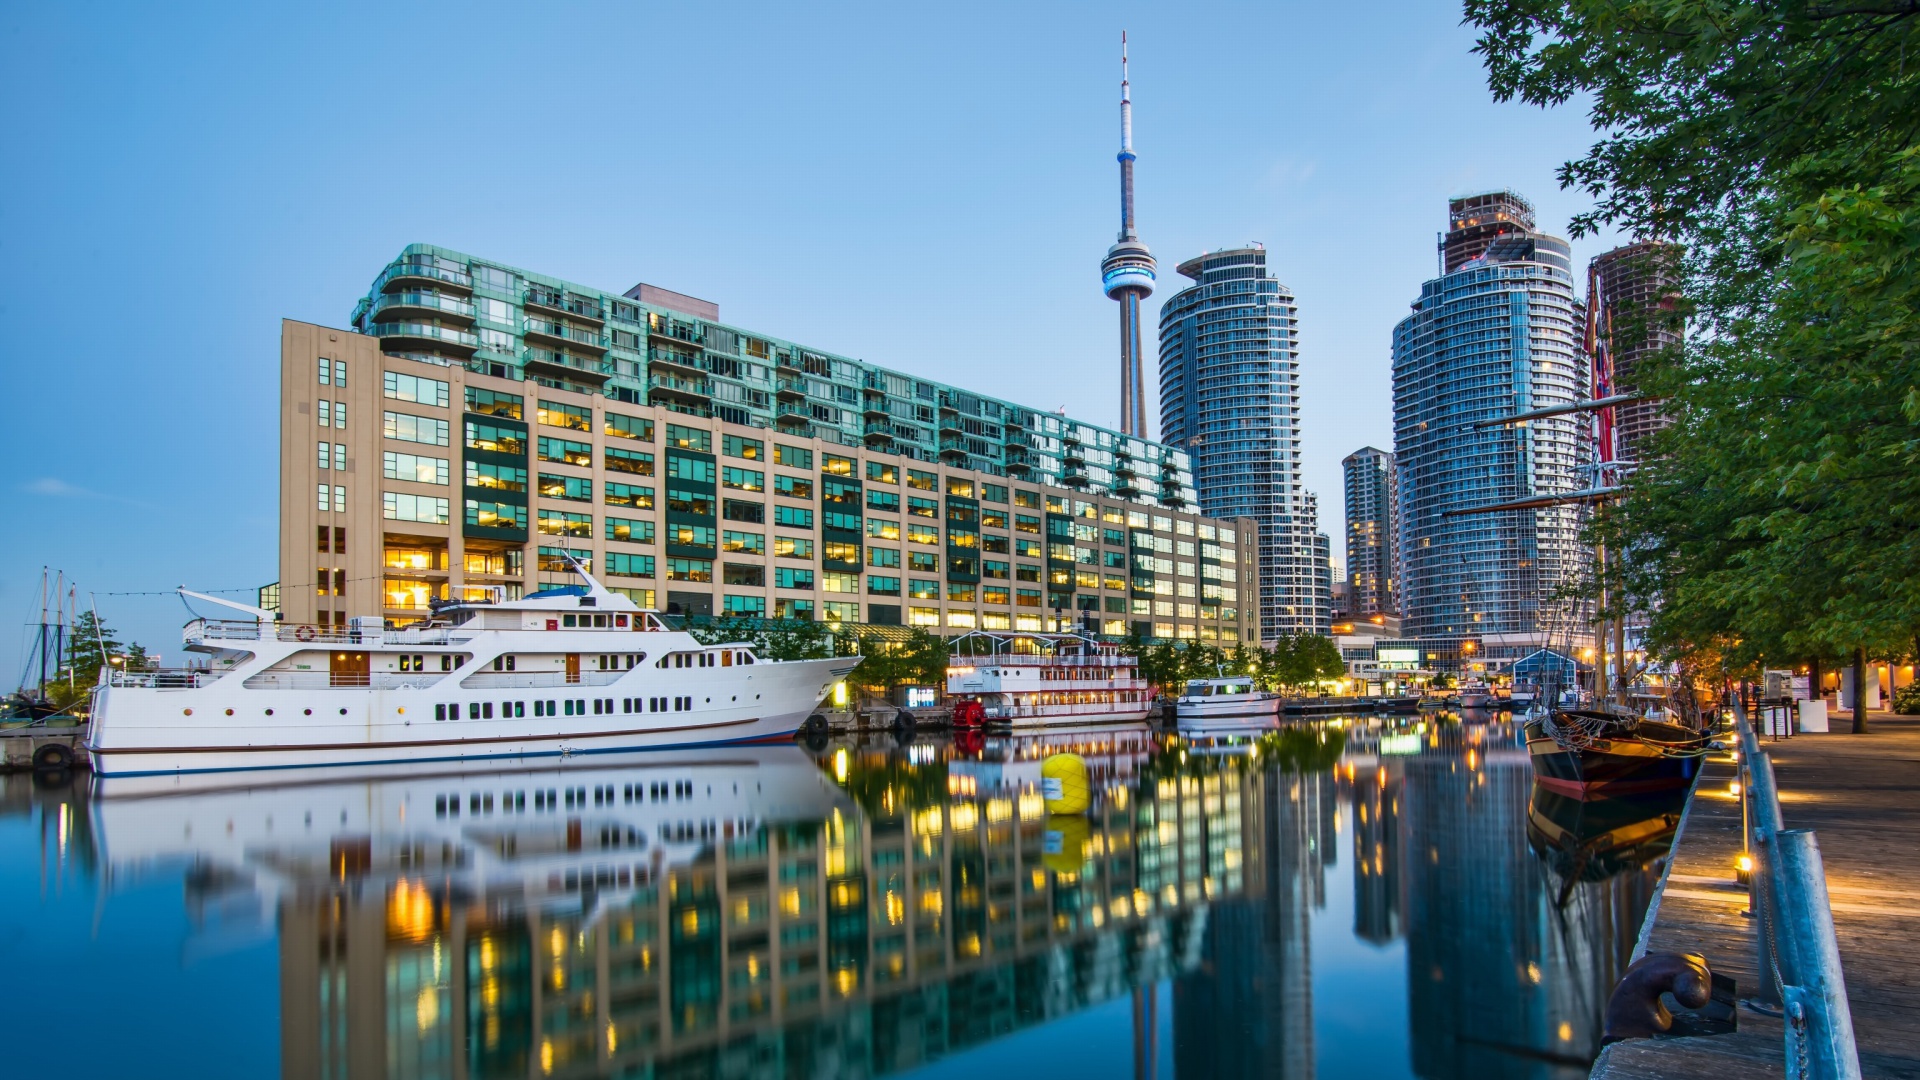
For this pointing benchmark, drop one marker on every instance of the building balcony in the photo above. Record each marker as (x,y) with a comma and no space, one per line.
(566,303)
(1124,467)
(790,387)
(669,330)
(417,270)
(1075,476)
(1074,454)
(566,365)
(700,389)
(878,427)
(675,358)
(788,410)
(416,305)
(563,335)
(416,334)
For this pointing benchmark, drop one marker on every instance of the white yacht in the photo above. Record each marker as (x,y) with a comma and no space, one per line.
(1230,700)
(572,669)
(1033,680)
(1475,694)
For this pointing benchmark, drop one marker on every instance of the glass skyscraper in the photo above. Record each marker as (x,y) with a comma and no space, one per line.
(1371,562)
(1499,333)
(1230,397)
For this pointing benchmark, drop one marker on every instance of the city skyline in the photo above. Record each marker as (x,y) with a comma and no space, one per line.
(201,185)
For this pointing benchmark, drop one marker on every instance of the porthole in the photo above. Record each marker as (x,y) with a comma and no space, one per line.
(269,712)
(186,712)
(306,712)
(229,712)
(343,712)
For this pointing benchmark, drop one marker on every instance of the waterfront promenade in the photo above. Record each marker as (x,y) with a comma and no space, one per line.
(1861,795)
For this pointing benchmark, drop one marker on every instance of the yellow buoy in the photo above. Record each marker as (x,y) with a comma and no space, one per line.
(1064,849)
(1063,780)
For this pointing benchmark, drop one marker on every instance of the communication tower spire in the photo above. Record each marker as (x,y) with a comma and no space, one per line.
(1127,272)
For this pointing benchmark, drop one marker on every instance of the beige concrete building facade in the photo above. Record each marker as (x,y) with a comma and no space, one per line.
(405,482)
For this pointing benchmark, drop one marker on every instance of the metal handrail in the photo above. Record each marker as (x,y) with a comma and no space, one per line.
(1799,952)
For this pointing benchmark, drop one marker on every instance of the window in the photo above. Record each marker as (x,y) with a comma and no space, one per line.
(835,491)
(630,530)
(752,607)
(793,547)
(923,616)
(628,427)
(1029,548)
(640,498)
(558,523)
(690,502)
(1028,499)
(924,481)
(840,612)
(743,479)
(993,568)
(995,544)
(687,438)
(1026,523)
(502,440)
(793,577)
(623,564)
(407,427)
(993,493)
(883,557)
(325,368)
(743,574)
(332,540)
(698,470)
(922,589)
(577,488)
(553,414)
(564,450)
(796,516)
(882,529)
(993,519)
(495,403)
(837,465)
(741,447)
(833,519)
(1025,572)
(333,414)
(965,515)
(960,486)
(792,456)
(493,515)
(922,534)
(1056,504)
(424,508)
(883,500)
(626,461)
(839,583)
(412,388)
(690,570)
(793,487)
(747,543)
(420,470)
(1113,537)
(925,561)
(995,594)
(927,508)
(882,473)
(1026,597)
(788,608)
(963,538)
(742,510)
(691,535)
(847,555)
(494,477)
(883,586)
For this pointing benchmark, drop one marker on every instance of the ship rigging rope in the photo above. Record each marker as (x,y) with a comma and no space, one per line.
(1576,732)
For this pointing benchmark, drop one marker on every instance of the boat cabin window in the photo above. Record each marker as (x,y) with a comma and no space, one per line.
(621,661)
(588,621)
(686,660)
(503,663)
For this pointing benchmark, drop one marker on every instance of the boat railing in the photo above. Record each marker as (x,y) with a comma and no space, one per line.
(1799,955)
(523,680)
(1043,660)
(306,633)
(164,679)
(339,680)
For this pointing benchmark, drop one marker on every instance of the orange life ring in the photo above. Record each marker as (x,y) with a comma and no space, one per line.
(304,633)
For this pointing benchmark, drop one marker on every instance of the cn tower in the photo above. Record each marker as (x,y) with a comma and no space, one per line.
(1127,273)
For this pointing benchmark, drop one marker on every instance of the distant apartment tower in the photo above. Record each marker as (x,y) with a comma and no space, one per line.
(1474,222)
(1371,525)
(1497,335)
(1230,397)
(1633,287)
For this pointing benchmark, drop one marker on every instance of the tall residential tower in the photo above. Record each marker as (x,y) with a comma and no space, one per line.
(1229,396)
(1127,274)
(1371,524)
(1498,334)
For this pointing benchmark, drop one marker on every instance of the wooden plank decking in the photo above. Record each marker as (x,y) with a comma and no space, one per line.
(1861,794)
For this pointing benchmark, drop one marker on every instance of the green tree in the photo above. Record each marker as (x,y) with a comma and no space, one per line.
(1774,145)
(919,660)
(771,639)
(91,645)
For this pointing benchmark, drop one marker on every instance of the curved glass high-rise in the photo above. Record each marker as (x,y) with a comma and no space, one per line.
(1498,334)
(1230,396)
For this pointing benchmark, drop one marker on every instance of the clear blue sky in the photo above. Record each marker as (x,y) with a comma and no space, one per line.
(926,187)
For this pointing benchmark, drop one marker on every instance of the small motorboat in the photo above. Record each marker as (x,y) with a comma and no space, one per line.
(1228,701)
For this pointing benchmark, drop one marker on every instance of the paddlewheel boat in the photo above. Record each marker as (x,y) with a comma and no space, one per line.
(1037,680)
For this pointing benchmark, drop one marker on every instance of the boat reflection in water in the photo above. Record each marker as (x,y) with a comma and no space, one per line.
(864,907)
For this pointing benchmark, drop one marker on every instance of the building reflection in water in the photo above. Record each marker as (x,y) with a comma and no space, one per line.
(863,909)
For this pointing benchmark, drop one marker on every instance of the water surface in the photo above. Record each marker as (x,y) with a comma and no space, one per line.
(1346,898)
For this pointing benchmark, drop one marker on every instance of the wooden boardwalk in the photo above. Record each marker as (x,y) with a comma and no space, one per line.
(1861,794)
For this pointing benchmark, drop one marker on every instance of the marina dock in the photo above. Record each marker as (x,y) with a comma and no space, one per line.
(1861,796)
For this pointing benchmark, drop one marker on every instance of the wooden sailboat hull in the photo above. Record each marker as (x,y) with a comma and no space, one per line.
(1648,757)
